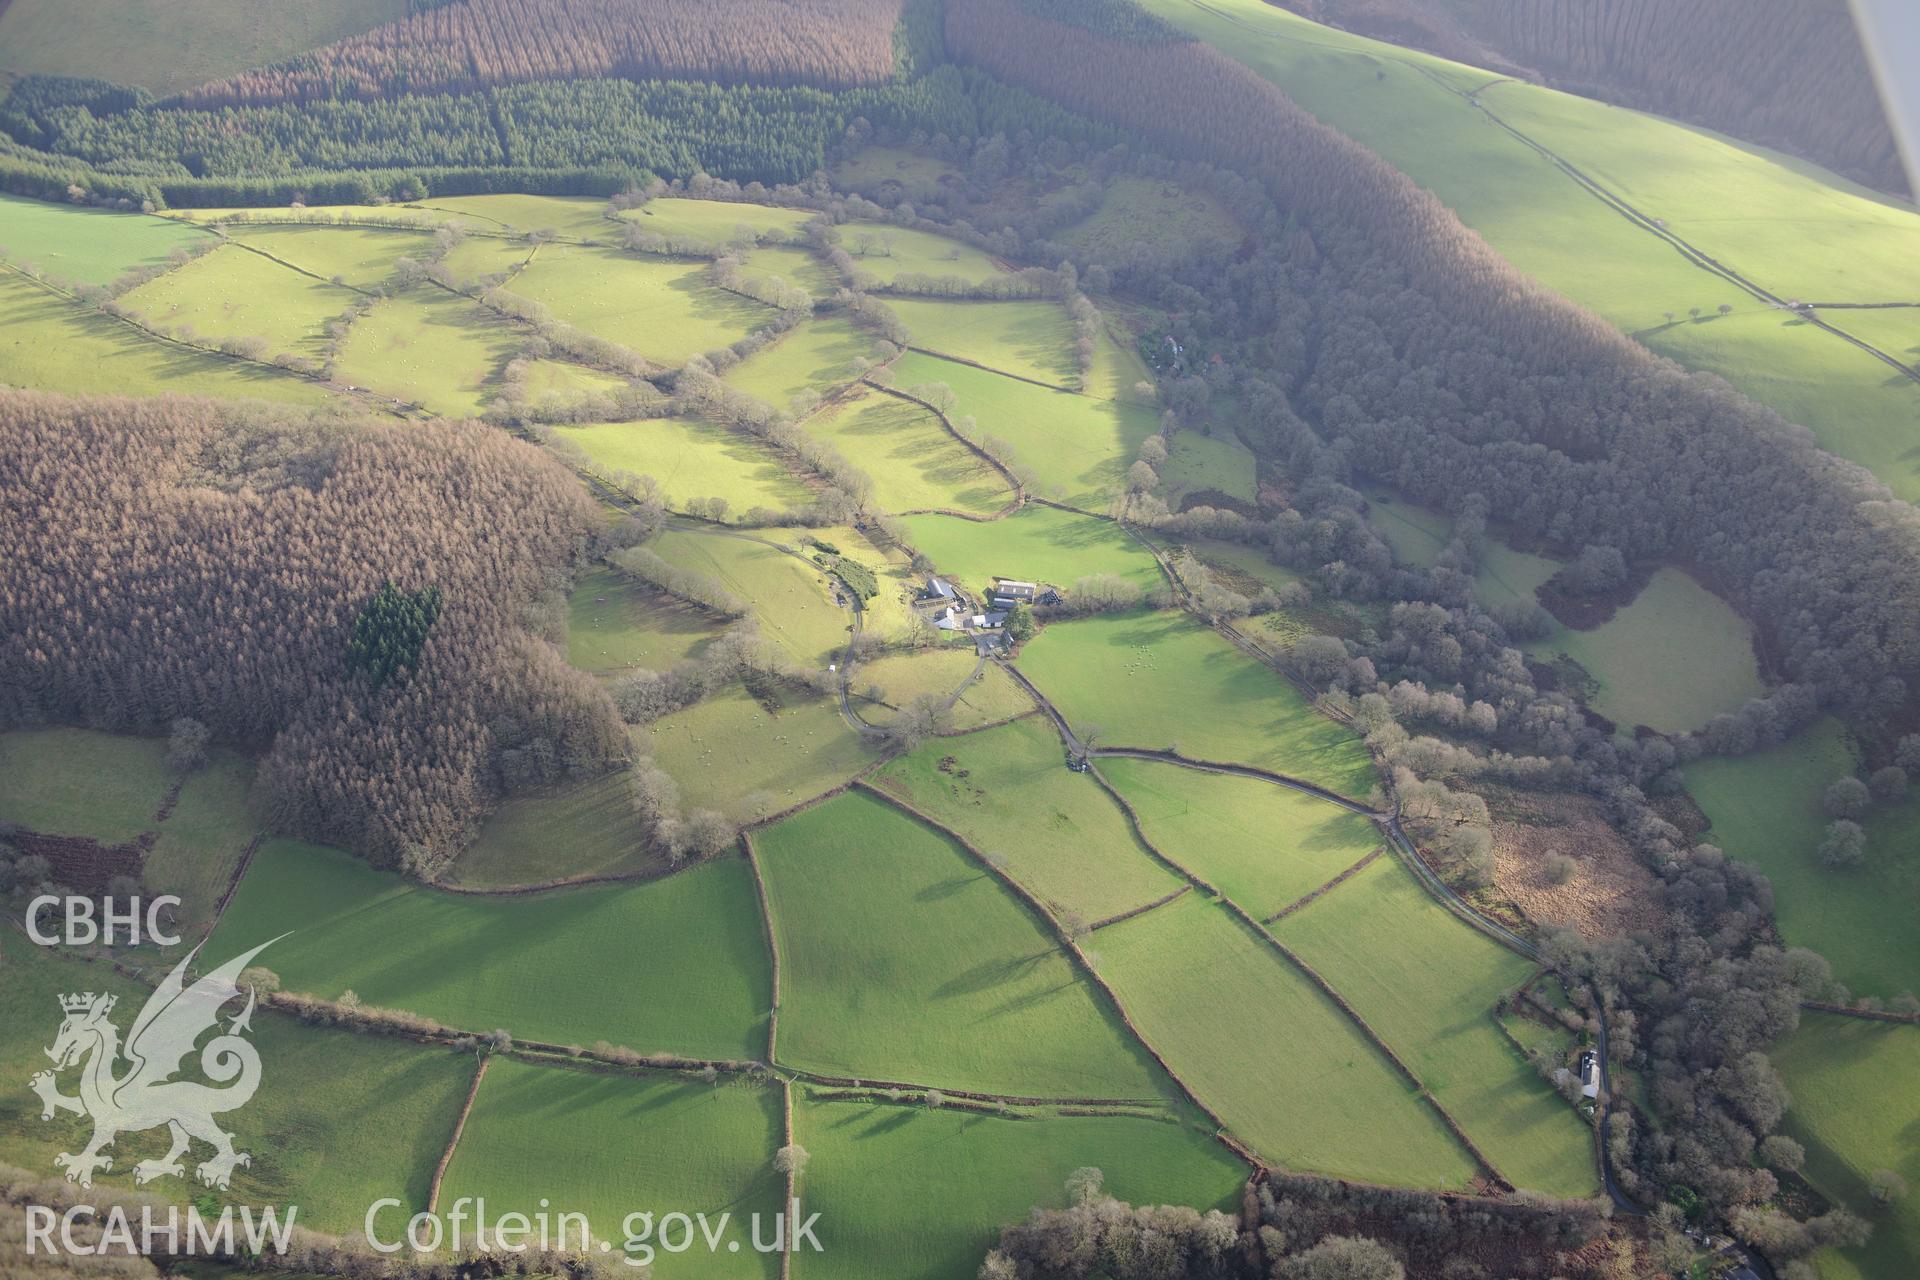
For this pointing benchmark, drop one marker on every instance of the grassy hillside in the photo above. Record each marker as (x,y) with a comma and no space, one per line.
(1009,792)
(875,1168)
(538,1136)
(1263,846)
(1856,1104)
(1288,1072)
(1428,983)
(339,1120)
(167,45)
(1765,808)
(1792,229)
(1163,681)
(1039,544)
(1078,447)
(689,949)
(901,959)
(916,464)
(733,753)
(86,246)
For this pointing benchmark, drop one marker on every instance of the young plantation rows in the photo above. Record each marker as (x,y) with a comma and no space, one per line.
(923,948)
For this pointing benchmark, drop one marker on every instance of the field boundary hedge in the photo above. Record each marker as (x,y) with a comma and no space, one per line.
(1340,1002)
(1073,949)
(1312,895)
(773,945)
(1140,910)
(453,1140)
(1020,496)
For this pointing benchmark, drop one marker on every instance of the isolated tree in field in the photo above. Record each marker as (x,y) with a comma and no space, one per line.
(927,716)
(1844,846)
(1560,868)
(186,744)
(1342,1258)
(1847,798)
(1886,1187)
(1726,308)
(791,1159)
(1084,1183)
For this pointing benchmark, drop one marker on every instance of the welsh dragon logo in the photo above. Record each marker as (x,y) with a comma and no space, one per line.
(144,1095)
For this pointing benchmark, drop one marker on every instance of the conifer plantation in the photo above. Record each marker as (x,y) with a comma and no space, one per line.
(468,44)
(181,558)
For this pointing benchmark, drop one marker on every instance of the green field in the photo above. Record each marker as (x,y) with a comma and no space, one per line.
(1766,810)
(49,344)
(1288,1072)
(607,1145)
(340,1119)
(794,265)
(693,459)
(1009,792)
(1803,232)
(169,45)
(233,293)
(483,257)
(79,782)
(1031,339)
(1262,845)
(887,252)
(430,348)
(1209,465)
(689,951)
(1419,534)
(1856,1107)
(818,356)
(717,222)
(1039,544)
(732,754)
(1427,983)
(1673,659)
(789,594)
(902,676)
(914,1194)
(1790,226)
(1140,219)
(920,177)
(1857,406)
(1078,447)
(901,959)
(572,217)
(359,256)
(663,309)
(1160,680)
(561,383)
(586,828)
(86,246)
(915,462)
(615,623)
(204,838)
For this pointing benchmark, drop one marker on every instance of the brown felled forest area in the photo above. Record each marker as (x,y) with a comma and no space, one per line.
(185,558)
(470,44)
